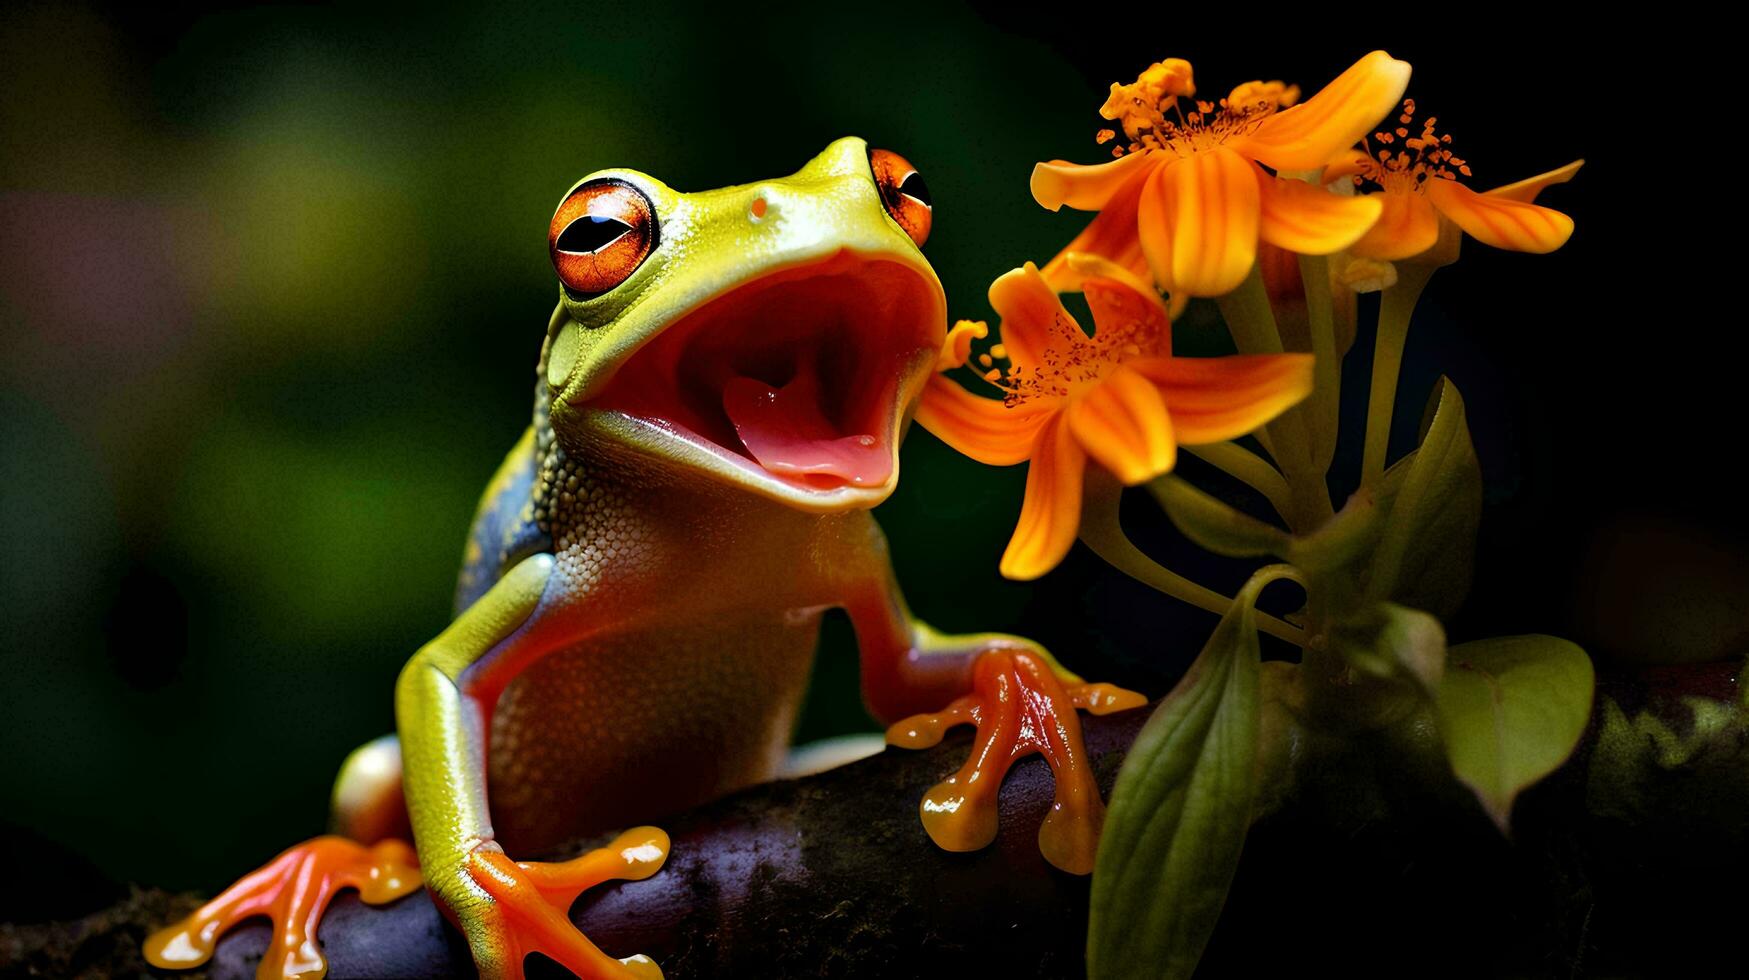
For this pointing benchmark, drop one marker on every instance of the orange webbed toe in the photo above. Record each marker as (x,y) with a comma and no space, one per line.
(531,900)
(294,890)
(1020,707)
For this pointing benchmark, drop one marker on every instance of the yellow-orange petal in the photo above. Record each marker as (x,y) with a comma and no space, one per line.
(1050,516)
(1213,399)
(1085,187)
(1153,233)
(1527,189)
(1031,313)
(983,428)
(1121,300)
(1407,226)
(1500,221)
(1311,134)
(1308,219)
(1111,234)
(1210,205)
(1123,423)
(957,348)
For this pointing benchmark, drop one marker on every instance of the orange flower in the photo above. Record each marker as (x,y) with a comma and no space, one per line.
(1186,199)
(1118,396)
(1419,183)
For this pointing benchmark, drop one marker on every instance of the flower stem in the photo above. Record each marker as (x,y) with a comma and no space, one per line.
(1326,364)
(1101,532)
(1251,321)
(1396,306)
(1249,317)
(1249,468)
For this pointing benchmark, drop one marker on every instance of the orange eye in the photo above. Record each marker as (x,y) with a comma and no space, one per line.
(903,192)
(600,235)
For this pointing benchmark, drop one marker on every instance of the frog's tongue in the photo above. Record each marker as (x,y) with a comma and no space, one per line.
(786,430)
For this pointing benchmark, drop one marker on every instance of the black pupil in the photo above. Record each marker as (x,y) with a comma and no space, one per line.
(591,232)
(916,189)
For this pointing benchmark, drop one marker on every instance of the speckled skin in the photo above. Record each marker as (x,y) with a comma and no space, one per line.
(690,699)
(637,614)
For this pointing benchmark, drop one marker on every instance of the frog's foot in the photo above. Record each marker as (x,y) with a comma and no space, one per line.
(1020,707)
(293,890)
(531,899)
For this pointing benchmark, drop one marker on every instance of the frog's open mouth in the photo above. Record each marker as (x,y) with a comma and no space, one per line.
(800,375)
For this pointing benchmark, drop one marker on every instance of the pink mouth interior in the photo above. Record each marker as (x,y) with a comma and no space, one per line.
(796,373)
(786,432)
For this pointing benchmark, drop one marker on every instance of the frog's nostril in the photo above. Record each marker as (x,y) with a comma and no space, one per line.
(757,210)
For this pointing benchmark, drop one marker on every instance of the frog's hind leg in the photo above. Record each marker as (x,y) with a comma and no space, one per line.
(368,805)
(294,889)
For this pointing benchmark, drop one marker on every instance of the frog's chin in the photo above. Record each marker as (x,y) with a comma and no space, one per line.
(794,386)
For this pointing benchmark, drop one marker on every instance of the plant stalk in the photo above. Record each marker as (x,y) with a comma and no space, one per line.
(1250,469)
(1396,306)
(1101,532)
(1251,321)
(1326,396)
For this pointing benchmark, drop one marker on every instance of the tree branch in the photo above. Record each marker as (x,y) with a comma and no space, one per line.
(833,876)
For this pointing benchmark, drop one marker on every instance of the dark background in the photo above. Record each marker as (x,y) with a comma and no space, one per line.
(272,283)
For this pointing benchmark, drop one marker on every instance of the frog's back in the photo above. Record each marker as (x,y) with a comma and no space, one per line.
(506,528)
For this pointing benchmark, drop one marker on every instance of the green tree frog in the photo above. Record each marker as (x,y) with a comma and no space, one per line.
(720,399)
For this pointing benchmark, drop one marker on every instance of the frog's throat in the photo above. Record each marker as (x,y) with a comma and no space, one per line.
(796,384)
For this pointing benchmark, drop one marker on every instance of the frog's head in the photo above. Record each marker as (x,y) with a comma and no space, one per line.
(773,336)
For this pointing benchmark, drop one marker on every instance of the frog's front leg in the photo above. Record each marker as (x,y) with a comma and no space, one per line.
(443,704)
(1021,700)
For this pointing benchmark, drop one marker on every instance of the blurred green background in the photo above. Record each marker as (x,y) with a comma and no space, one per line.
(273,283)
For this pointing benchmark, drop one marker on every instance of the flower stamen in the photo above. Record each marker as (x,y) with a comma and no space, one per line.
(1071,360)
(1141,108)
(1424,157)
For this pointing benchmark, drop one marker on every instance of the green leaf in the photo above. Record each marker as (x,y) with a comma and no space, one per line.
(1426,554)
(1214,524)
(1512,709)
(1343,541)
(1388,640)
(1180,810)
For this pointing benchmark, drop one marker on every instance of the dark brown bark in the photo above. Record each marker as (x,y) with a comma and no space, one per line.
(1363,869)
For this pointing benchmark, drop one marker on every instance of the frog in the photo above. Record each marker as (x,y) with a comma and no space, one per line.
(720,397)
